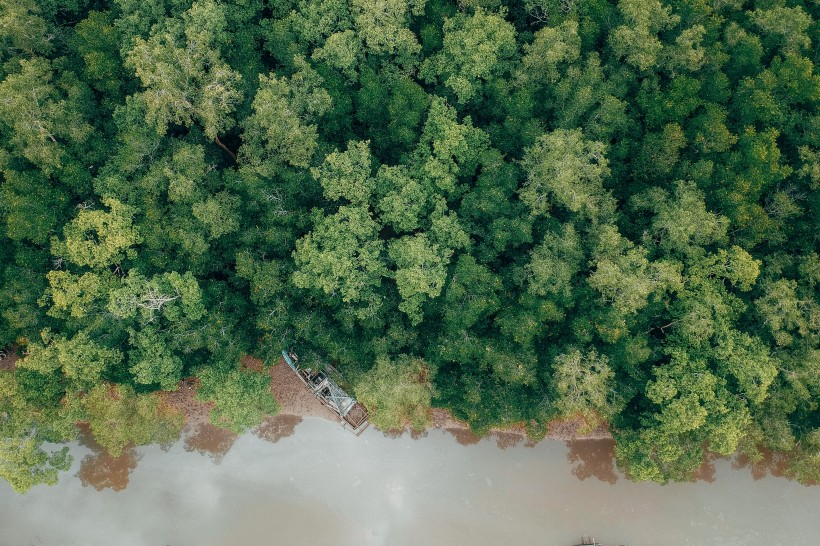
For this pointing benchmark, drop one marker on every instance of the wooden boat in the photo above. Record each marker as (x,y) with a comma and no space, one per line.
(587,540)
(353,415)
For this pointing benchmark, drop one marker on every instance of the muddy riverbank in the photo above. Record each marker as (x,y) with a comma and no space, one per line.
(297,402)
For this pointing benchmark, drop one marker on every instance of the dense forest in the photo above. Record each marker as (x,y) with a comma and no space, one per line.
(599,210)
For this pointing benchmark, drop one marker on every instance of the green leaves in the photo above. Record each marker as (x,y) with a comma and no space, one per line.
(477,48)
(185,78)
(637,40)
(420,271)
(565,169)
(43,121)
(585,384)
(82,361)
(242,397)
(282,130)
(346,175)
(97,239)
(119,417)
(594,209)
(397,392)
(342,255)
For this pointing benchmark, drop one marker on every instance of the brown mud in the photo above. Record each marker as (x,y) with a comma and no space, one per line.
(8,358)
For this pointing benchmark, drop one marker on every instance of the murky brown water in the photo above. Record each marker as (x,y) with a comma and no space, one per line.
(321,484)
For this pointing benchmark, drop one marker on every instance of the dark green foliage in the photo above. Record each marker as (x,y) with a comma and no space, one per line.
(523,211)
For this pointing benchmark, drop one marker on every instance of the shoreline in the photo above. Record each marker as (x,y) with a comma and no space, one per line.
(296,401)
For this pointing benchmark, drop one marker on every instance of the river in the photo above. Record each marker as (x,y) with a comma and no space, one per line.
(322,484)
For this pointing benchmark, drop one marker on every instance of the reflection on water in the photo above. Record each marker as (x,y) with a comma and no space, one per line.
(593,459)
(325,485)
(210,440)
(277,427)
(464,436)
(772,464)
(706,472)
(506,440)
(100,469)
(399,432)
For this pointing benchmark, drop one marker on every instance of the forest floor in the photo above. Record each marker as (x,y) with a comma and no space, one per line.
(296,402)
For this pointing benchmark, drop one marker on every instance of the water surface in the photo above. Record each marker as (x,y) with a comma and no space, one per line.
(321,483)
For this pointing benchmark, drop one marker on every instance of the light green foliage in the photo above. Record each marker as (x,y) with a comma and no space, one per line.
(175,297)
(76,295)
(151,361)
(637,39)
(41,118)
(447,149)
(404,198)
(477,48)
(711,133)
(119,417)
(687,53)
(219,213)
(185,77)
(346,175)
(565,169)
(382,26)
(341,50)
(584,383)
(805,463)
(282,130)
(185,172)
(342,255)
(24,464)
(554,263)
(315,20)
(734,265)
(23,29)
(25,423)
(397,392)
(622,272)
(242,397)
(421,270)
(789,26)
(693,407)
(97,239)
(552,48)
(682,223)
(80,359)
(785,313)
(585,98)
(749,362)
